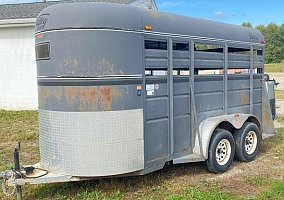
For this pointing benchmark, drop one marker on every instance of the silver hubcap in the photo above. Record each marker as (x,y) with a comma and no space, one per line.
(250,142)
(223,152)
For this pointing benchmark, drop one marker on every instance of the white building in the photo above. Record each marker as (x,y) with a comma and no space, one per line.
(18,85)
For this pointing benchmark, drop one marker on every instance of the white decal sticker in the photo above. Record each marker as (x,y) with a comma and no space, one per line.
(150,89)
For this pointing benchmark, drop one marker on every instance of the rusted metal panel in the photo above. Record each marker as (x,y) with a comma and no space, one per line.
(89,98)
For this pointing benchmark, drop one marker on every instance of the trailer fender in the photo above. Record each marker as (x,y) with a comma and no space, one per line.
(207,127)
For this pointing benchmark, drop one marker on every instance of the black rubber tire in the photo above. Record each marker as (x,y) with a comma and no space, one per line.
(240,136)
(212,164)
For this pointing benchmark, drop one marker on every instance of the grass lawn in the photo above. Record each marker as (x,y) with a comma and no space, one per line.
(279,94)
(274,68)
(260,179)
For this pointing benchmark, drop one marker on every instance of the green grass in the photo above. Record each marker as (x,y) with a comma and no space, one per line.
(279,94)
(276,191)
(274,68)
(196,194)
(18,126)
(281,119)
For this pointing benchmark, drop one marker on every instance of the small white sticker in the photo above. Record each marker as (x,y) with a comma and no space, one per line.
(150,90)
(150,87)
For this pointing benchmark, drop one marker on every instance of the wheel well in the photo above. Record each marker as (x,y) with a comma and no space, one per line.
(255,121)
(227,126)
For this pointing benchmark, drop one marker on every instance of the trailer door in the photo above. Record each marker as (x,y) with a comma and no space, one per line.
(167,100)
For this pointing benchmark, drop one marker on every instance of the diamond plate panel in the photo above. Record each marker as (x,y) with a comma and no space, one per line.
(91,143)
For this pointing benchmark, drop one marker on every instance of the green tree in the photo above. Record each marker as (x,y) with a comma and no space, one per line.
(274,42)
(274,50)
(281,29)
(247,24)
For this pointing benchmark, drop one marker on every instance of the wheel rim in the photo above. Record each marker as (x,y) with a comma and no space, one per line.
(250,142)
(223,152)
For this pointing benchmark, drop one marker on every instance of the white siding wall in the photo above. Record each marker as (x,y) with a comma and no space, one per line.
(18,86)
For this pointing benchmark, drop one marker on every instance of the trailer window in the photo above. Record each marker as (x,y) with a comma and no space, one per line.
(176,72)
(42,51)
(209,72)
(159,72)
(260,52)
(181,46)
(238,50)
(148,72)
(150,44)
(208,48)
(184,72)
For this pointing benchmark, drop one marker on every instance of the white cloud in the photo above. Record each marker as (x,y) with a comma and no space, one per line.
(219,14)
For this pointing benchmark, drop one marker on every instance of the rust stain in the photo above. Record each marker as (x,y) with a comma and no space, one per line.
(58,93)
(244,98)
(95,98)
(71,94)
(44,94)
(106,98)
(88,97)
(92,98)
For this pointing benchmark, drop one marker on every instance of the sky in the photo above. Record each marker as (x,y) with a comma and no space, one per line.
(228,11)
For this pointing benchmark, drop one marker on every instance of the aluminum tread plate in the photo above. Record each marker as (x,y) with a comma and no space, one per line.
(89,144)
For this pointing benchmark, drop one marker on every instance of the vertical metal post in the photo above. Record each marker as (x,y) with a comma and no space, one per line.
(263,61)
(19,193)
(170,92)
(16,160)
(251,80)
(225,79)
(17,168)
(191,93)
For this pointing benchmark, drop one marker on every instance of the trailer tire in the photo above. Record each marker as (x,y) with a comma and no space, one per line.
(221,151)
(247,141)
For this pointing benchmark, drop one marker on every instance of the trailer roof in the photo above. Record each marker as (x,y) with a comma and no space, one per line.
(115,16)
(31,10)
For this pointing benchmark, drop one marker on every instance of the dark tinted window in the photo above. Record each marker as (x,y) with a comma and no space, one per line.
(149,44)
(238,50)
(42,51)
(259,52)
(181,46)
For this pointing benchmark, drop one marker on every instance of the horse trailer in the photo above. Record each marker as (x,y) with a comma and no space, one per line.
(123,90)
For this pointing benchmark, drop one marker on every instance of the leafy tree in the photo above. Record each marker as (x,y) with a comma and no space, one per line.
(247,24)
(274,42)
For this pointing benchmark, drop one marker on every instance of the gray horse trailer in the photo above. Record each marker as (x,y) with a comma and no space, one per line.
(124,90)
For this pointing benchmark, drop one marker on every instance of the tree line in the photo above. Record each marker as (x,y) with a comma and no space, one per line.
(274,41)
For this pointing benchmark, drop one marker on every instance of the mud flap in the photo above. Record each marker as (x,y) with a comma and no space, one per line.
(267,121)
